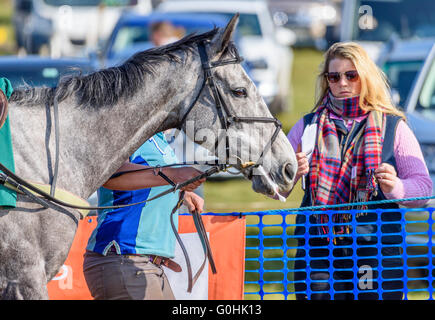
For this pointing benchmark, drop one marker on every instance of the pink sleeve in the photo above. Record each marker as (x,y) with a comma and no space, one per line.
(414,179)
(295,134)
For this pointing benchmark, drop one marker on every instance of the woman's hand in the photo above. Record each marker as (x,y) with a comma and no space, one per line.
(303,165)
(193,202)
(386,176)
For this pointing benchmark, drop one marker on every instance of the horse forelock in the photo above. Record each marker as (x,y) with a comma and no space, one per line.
(106,87)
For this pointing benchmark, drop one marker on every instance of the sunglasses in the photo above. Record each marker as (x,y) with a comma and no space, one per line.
(334,77)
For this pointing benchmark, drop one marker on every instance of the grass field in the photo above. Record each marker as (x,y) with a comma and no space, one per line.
(7,38)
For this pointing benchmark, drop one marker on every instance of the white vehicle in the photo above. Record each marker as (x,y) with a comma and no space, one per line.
(372,22)
(420,111)
(69,27)
(308,19)
(265,47)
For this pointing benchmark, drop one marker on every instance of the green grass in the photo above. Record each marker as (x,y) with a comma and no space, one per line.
(304,74)
(7,37)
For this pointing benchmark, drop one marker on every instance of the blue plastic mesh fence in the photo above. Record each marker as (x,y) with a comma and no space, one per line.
(354,254)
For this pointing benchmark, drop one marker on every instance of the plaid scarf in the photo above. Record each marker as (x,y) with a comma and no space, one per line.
(344,174)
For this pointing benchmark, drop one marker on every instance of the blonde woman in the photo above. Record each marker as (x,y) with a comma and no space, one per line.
(354,147)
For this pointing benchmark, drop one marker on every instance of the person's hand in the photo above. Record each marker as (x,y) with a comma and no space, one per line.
(193,202)
(303,165)
(180,175)
(387,177)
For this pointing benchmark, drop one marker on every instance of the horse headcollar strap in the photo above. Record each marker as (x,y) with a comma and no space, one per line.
(225,116)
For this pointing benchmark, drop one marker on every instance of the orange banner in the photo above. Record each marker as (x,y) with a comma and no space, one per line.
(227,240)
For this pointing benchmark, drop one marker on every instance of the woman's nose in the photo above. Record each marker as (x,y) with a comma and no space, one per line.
(343,81)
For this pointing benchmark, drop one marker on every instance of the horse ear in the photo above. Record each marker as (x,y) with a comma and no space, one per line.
(225,37)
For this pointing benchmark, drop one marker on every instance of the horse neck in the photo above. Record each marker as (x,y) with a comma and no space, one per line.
(96,141)
(108,136)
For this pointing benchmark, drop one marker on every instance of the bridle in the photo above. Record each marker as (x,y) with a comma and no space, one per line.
(225,116)
(226,120)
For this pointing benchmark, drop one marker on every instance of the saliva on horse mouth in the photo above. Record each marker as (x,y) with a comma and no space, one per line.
(270,187)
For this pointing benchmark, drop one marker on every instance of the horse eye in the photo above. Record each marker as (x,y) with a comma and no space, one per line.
(240,92)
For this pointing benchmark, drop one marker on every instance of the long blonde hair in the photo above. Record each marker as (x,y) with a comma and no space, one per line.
(375,91)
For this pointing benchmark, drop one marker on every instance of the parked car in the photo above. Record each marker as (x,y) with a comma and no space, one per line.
(410,67)
(68,27)
(131,33)
(372,22)
(420,110)
(308,19)
(39,71)
(401,60)
(265,47)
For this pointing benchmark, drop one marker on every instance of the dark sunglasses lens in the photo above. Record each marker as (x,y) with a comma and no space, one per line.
(352,75)
(333,76)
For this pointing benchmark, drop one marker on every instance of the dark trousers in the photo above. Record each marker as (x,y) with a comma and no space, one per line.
(366,276)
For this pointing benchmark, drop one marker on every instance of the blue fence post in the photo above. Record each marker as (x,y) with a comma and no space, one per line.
(284,238)
(307,252)
(404,254)
(260,257)
(430,255)
(330,254)
(355,280)
(379,251)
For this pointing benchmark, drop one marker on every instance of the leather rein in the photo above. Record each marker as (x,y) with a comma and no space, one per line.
(226,119)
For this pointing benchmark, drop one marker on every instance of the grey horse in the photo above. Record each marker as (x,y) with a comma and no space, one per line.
(104,117)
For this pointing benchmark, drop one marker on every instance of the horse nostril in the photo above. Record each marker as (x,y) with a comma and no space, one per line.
(289,171)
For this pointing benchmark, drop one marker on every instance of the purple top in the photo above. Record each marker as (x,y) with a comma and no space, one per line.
(414,179)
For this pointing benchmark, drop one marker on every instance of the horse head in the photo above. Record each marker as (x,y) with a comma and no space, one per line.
(231,119)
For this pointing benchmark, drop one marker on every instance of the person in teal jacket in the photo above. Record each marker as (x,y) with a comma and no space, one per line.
(130,248)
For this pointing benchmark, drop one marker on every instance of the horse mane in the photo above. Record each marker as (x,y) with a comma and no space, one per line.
(107,86)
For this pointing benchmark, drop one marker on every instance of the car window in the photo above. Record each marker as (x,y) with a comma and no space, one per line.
(248,25)
(426,100)
(134,36)
(130,35)
(393,16)
(401,75)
